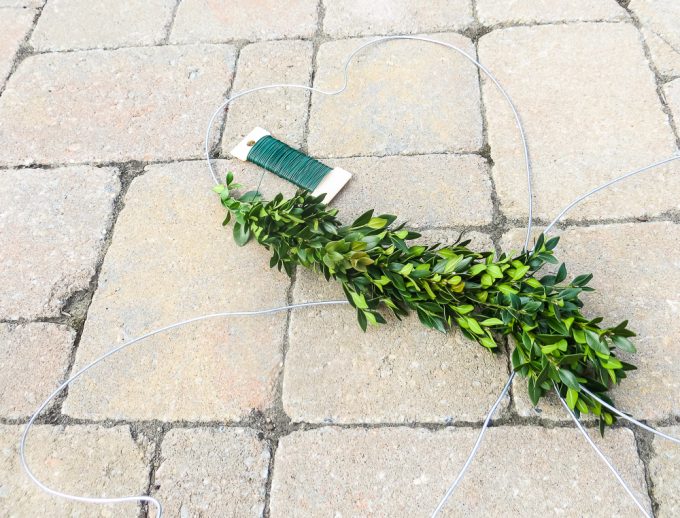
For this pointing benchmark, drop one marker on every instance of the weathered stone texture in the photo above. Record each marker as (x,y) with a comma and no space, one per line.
(212,472)
(170,259)
(424,190)
(402,97)
(361,17)
(145,103)
(283,112)
(84,24)
(493,12)
(53,225)
(14,26)
(405,472)
(33,361)
(226,20)
(82,460)
(664,472)
(571,85)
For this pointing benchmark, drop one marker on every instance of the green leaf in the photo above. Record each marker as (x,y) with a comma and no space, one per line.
(593,340)
(363,219)
(376,223)
(241,234)
(492,322)
(227,219)
(572,397)
(230,177)
(624,344)
(568,379)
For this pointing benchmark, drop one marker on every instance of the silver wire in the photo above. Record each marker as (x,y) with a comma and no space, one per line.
(155,502)
(139,498)
(630,418)
(473,452)
(601,455)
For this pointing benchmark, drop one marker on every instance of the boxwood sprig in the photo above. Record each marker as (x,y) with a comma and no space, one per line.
(485,296)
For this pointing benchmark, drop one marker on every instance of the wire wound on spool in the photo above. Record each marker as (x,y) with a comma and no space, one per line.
(288,163)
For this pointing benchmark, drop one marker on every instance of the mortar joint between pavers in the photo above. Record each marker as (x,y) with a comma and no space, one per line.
(25,50)
(276,423)
(171,22)
(215,150)
(78,303)
(645,451)
(658,79)
(317,40)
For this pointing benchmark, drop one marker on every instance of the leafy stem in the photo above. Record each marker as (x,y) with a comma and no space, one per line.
(484,295)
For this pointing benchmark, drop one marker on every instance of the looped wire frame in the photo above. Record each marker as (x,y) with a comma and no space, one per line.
(151,500)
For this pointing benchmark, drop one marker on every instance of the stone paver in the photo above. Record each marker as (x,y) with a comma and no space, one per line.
(403,97)
(14,26)
(405,186)
(630,263)
(494,12)
(33,361)
(85,460)
(208,472)
(282,112)
(661,17)
(399,372)
(170,259)
(53,225)
(672,94)
(664,473)
(21,3)
(572,84)
(99,106)
(665,57)
(405,471)
(226,20)
(83,24)
(361,17)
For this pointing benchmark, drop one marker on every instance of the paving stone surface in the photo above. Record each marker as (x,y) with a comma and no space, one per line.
(494,12)
(99,106)
(212,472)
(361,17)
(399,372)
(282,112)
(33,361)
(82,24)
(14,26)
(405,186)
(21,3)
(170,259)
(664,473)
(666,58)
(401,98)
(87,460)
(226,20)
(643,255)
(571,84)
(405,471)
(53,225)
(104,197)
(672,93)
(660,17)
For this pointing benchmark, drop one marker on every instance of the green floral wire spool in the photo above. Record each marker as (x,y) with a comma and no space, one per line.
(260,148)
(288,163)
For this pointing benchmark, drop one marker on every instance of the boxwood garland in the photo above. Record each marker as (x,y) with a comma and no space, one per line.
(487,297)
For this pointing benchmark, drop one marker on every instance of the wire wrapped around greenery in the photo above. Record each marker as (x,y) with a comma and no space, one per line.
(485,296)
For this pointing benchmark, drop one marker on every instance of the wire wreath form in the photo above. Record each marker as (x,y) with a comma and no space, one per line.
(147,499)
